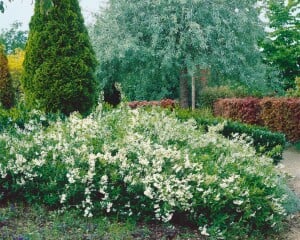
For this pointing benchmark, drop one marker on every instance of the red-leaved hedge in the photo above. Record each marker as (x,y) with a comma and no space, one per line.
(246,110)
(278,114)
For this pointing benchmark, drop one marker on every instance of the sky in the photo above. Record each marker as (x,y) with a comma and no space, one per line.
(22,10)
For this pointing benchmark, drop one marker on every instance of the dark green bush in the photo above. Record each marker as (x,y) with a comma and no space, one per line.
(59,62)
(265,141)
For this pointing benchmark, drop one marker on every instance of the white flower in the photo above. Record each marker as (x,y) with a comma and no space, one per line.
(238,202)
(63,198)
(104,179)
(204,231)
(148,192)
(167,217)
(223,185)
(108,207)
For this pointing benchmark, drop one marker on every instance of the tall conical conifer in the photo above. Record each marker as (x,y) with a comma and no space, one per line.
(59,62)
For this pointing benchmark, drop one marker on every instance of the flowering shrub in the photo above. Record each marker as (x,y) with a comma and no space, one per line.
(144,164)
(265,141)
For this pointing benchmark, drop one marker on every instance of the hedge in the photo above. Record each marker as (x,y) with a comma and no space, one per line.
(165,103)
(283,115)
(277,114)
(242,109)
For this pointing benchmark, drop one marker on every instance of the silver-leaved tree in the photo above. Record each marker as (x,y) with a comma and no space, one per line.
(154,47)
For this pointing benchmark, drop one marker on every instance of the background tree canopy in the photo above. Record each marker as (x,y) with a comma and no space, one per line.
(282,45)
(147,45)
(13,38)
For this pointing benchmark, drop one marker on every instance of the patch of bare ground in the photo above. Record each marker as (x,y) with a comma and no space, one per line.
(291,162)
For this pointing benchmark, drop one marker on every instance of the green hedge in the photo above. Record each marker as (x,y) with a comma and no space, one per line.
(264,141)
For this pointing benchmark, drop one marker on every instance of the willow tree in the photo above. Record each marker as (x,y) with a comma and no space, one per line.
(154,47)
(59,62)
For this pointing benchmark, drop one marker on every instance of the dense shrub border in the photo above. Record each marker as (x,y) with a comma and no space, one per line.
(144,163)
(264,140)
(278,114)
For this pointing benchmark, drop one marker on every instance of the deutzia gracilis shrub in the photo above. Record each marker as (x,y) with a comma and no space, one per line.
(146,164)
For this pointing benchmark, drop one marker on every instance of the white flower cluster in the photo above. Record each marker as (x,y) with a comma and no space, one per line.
(161,163)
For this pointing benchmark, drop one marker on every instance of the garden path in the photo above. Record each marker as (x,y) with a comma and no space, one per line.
(291,162)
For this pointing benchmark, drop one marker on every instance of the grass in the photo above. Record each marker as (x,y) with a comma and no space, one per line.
(22,222)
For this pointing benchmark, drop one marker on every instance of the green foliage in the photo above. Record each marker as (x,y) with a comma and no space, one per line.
(59,61)
(295,92)
(13,38)
(282,46)
(209,95)
(264,141)
(20,115)
(144,164)
(6,87)
(146,45)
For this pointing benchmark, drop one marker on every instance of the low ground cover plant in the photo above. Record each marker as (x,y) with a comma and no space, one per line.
(144,164)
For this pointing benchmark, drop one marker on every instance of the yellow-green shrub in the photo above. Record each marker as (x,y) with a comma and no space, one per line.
(15,65)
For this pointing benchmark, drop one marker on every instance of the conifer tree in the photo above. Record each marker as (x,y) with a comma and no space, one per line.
(6,87)
(59,62)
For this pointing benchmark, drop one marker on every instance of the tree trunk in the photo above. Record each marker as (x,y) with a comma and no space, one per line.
(184,89)
(193,92)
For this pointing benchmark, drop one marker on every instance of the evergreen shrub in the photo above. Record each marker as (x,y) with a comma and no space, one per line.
(59,61)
